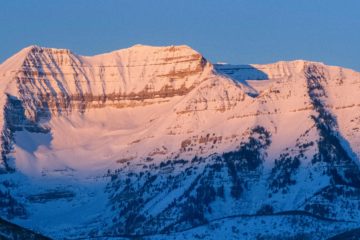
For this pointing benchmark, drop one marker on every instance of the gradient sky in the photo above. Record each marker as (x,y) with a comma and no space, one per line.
(238,32)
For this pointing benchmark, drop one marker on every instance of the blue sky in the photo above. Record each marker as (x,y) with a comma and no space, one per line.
(232,31)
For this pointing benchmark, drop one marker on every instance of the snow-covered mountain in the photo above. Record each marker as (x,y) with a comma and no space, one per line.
(160,143)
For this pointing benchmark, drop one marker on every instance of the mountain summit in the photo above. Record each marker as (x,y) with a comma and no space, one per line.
(157,142)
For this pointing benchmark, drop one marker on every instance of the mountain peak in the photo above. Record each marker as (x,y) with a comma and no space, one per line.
(20,58)
(167,47)
(146,51)
(39,49)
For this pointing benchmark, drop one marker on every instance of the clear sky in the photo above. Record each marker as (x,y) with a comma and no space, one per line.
(233,31)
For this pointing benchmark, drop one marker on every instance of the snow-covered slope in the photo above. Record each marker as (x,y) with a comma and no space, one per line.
(135,96)
(159,137)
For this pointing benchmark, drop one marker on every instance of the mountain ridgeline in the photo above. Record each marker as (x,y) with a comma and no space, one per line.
(159,143)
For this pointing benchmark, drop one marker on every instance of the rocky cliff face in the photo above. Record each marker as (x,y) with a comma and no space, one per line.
(41,82)
(57,80)
(159,137)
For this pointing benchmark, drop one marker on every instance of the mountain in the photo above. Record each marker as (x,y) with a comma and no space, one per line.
(157,142)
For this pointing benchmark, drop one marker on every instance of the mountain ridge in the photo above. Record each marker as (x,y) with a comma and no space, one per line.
(142,46)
